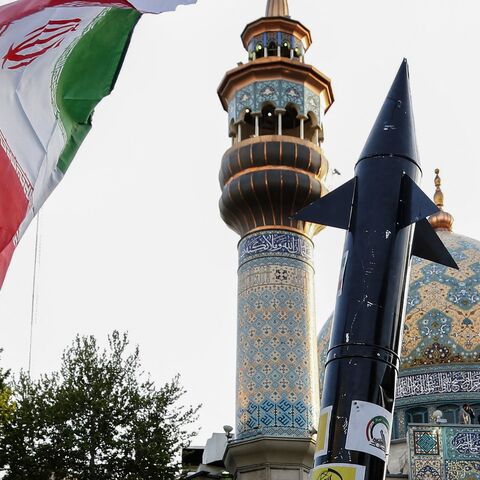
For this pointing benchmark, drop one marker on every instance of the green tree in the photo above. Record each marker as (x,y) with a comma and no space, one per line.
(6,404)
(25,443)
(99,418)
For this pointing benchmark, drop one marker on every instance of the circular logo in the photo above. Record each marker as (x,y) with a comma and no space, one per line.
(377,431)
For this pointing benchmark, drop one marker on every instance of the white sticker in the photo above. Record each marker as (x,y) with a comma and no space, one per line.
(369,429)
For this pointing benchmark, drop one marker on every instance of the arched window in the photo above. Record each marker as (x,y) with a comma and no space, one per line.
(450,412)
(290,122)
(268,120)
(285,49)
(272,49)
(248,130)
(416,415)
(259,50)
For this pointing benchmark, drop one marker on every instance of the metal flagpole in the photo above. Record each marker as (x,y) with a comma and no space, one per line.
(34,290)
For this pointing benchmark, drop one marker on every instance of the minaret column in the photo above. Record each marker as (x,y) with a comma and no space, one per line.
(277,393)
(239,130)
(302,119)
(279,112)
(265,180)
(256,116)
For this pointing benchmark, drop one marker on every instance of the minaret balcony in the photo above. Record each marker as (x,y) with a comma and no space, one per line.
(276,80)
(266,179)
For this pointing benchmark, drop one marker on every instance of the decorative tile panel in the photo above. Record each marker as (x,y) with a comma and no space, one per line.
(444,452)
(400,416)
(463,444)
(427,470)
(277,389)
(273,243)
(439,383)
(458,470)
(426,443)
(280,93)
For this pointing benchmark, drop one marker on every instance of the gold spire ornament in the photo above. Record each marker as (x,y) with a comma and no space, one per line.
(438,197)
(277,8)
(440,221)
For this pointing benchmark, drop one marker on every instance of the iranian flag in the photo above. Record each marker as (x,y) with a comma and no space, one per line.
(58,59)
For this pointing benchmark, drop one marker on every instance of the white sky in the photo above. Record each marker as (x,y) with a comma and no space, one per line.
(132,239)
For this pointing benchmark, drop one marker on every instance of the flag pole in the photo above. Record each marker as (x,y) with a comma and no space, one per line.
(34,290)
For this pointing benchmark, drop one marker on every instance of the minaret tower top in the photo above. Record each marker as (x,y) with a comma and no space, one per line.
(277,8)
(275,103)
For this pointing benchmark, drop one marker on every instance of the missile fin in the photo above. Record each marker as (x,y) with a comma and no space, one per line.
(428,245)
(415,204)
(333,210)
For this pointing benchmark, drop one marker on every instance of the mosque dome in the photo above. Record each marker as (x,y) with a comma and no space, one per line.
(440,357)
(442,324)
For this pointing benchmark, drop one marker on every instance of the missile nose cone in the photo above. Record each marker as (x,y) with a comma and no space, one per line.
(394,130)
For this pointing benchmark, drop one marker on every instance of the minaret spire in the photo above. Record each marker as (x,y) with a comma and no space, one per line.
(277,8)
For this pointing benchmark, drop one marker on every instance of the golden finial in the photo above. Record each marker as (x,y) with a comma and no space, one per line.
(438,197)
(277,8)
(440,220)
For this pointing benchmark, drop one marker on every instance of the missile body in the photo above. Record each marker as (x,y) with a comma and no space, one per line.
(384,212)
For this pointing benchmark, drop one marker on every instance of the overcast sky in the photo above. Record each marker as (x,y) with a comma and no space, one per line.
(132,239)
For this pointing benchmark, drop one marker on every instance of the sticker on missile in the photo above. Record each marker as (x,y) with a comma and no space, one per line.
(369,429)
(338,471)
(323,431)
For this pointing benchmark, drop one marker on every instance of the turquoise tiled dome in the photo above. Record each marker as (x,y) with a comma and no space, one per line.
(442,324)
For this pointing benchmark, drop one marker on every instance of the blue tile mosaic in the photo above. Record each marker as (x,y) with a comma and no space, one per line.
(280,93)
(277,390)
(443,309)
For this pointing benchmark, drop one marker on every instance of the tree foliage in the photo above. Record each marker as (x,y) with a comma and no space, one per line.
(98,418)
(6,404)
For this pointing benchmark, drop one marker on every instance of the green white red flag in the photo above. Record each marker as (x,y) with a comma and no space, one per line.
(58,59)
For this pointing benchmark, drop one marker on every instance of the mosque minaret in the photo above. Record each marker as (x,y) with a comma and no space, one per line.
(275,103)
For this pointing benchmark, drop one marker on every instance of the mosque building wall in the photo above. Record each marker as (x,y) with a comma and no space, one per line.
(450,452)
